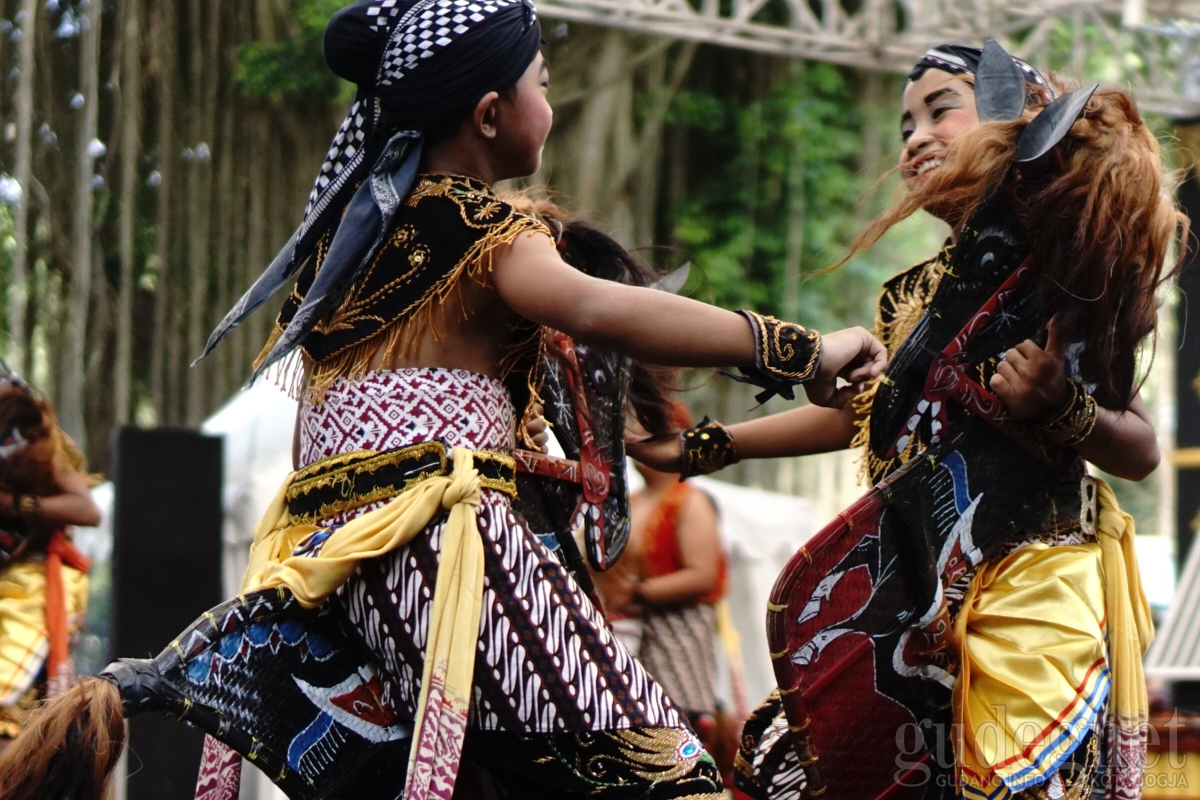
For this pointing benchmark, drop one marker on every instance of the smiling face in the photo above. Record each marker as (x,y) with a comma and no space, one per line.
(937,107)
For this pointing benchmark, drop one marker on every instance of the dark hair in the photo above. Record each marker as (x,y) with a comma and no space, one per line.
(595,253)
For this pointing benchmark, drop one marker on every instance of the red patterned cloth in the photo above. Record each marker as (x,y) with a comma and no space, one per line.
(220,775)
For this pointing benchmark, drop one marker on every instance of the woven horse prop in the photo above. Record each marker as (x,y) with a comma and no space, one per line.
(858,623)
(585,393)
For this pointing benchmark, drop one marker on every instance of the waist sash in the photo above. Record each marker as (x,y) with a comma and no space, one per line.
(422,483)
(341,483)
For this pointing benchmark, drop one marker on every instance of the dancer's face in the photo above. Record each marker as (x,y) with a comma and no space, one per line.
(937,107)
(526,119)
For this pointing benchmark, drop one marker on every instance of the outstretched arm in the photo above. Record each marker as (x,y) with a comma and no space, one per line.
(798,432)
(651,325)
(73,505)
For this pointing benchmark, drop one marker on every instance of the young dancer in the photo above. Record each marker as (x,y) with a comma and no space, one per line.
(417,291)
(1029,624)
(43,579)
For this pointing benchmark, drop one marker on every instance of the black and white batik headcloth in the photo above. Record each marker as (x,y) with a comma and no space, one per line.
(961,60)
(416,63)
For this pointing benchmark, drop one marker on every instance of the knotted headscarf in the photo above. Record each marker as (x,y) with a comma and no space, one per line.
(961,60)
(416,64)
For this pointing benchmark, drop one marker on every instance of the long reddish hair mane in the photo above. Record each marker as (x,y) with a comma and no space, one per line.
(29,469)
(1101,225)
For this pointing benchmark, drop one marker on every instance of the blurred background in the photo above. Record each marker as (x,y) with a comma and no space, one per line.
(155,154)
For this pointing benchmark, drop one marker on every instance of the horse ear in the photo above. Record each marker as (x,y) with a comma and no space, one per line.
(999,85)
(1049,127)
(674,280)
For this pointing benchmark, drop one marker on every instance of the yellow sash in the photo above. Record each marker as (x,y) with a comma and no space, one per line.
(454,620)
(1034,666)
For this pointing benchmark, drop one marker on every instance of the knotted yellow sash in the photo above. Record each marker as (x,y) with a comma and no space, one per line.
(24,633)
(454,619)
(1034,666)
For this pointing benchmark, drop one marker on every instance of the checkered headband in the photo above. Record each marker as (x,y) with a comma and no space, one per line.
(416,63)
(962,60)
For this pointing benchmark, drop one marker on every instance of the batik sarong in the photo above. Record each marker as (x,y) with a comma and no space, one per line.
(549,677)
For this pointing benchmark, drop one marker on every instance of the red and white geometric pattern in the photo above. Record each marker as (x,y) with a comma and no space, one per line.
(394,408)
(546,660)
(220,776)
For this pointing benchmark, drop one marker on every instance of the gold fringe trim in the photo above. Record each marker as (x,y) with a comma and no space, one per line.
(908,302)
(305,379)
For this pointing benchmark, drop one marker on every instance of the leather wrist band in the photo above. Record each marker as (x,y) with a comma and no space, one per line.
(707,448)
(785,354)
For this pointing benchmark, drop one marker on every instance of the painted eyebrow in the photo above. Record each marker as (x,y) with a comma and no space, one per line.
(933,96)
(929,100)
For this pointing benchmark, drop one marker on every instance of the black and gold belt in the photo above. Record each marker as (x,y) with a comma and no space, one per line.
(342,483)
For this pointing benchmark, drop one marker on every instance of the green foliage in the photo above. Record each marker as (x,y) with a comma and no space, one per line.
(788,174)
(295,66)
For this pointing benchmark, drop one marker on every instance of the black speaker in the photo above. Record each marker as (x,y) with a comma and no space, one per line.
(1187,365)
(166,572)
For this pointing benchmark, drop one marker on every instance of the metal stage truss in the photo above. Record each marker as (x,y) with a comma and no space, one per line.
(1152,46)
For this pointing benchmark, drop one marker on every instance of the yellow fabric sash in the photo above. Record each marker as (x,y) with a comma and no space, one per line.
(1130,627)
(24,637)
(449,666)
(1034,667)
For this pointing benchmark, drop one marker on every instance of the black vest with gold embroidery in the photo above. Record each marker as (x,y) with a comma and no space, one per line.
(448,228)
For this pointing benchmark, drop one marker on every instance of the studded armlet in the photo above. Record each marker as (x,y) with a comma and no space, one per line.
(785,354)
(707,448)
(1075,421)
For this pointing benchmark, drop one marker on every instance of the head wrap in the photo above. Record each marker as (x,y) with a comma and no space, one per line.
(960,60)
(416,63)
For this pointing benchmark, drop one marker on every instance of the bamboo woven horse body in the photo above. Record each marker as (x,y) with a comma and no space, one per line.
(283,687)
(858,623)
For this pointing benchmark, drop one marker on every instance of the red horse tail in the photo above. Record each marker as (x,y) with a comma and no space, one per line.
(69,748)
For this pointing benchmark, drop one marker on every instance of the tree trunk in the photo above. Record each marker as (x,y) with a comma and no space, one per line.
(164,45)
(203,77)
(131,148)
(19,288)
(71,407)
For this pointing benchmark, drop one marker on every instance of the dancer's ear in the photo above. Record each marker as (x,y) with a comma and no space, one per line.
(486,114)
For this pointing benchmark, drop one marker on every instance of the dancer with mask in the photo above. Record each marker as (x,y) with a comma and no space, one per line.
(417,292)
(1041,642)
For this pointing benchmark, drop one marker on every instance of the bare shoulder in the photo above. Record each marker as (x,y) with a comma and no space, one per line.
(527,246)
(699,507)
